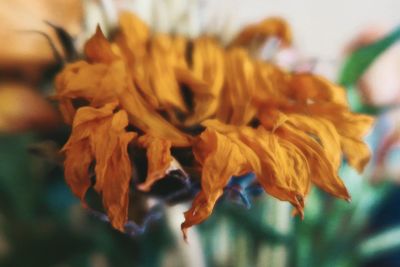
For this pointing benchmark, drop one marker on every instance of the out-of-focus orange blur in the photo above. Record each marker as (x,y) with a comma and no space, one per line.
(24,53)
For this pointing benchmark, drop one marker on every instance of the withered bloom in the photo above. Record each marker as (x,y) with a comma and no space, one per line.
(235,114)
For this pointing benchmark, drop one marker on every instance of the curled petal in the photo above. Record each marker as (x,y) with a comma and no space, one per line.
(163,59)
(134,35)
(98,49)
(159,159)
(236,106)
(145,118)
(308,87)
(323,170)
(112,83)
(356,152)
(207,66)
(322,131)
(78,157)
(99,135)
(209,149)
(260,32)
(284,168)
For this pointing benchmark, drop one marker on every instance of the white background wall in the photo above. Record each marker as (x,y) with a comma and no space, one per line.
(321,27)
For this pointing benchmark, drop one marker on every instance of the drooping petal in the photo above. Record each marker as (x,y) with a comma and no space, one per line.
(117,176)
(134,35)
(285,172)
(356,152)
(207,66)
(272,82)
(209,150)
(105,83)
(159,159)
(145,118)
(350,126)
(78,158)
(346,122)
(257,34)
(306,87)
(99,135)
(162,63)
(110,83)
(323,131)
(323,170)
(280,166)
(236,105)
(133,40)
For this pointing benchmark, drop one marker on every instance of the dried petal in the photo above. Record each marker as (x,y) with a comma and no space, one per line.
(285,170)
(260,32)
(99,135)
(159,159)
(97,49)
(236,106)
(308,87)
(209,149)
(208,66)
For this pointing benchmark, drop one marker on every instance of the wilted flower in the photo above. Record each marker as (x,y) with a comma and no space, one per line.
(212,112)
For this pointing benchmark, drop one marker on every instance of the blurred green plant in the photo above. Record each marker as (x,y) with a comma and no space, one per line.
(356,65)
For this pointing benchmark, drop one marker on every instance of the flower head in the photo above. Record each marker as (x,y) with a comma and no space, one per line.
(230,113)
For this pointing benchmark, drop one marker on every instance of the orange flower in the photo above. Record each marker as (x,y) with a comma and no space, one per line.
(235,114)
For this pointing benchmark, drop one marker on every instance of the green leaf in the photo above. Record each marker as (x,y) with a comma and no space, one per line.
(360,60)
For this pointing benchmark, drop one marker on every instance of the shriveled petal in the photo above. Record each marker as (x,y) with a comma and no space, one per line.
(280,166)
(115,189)
(112,83)
(323,170)
(103,86)
(309,87)
(159,159)
(260,32)
(209,150)
(207,66)
(285,171)
(132,40)
(346,122)
(98,49)
(323,131)
(145,118)
(78,157)
(134,34)
(272,82)
(236,105)
(162,62)
(87,120)
(350,126)
(356,152)
(99,135)
(318,140)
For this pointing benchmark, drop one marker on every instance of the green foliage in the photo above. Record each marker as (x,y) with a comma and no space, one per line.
(361,59)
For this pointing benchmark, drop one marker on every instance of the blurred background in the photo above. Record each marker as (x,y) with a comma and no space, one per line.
(42,224)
